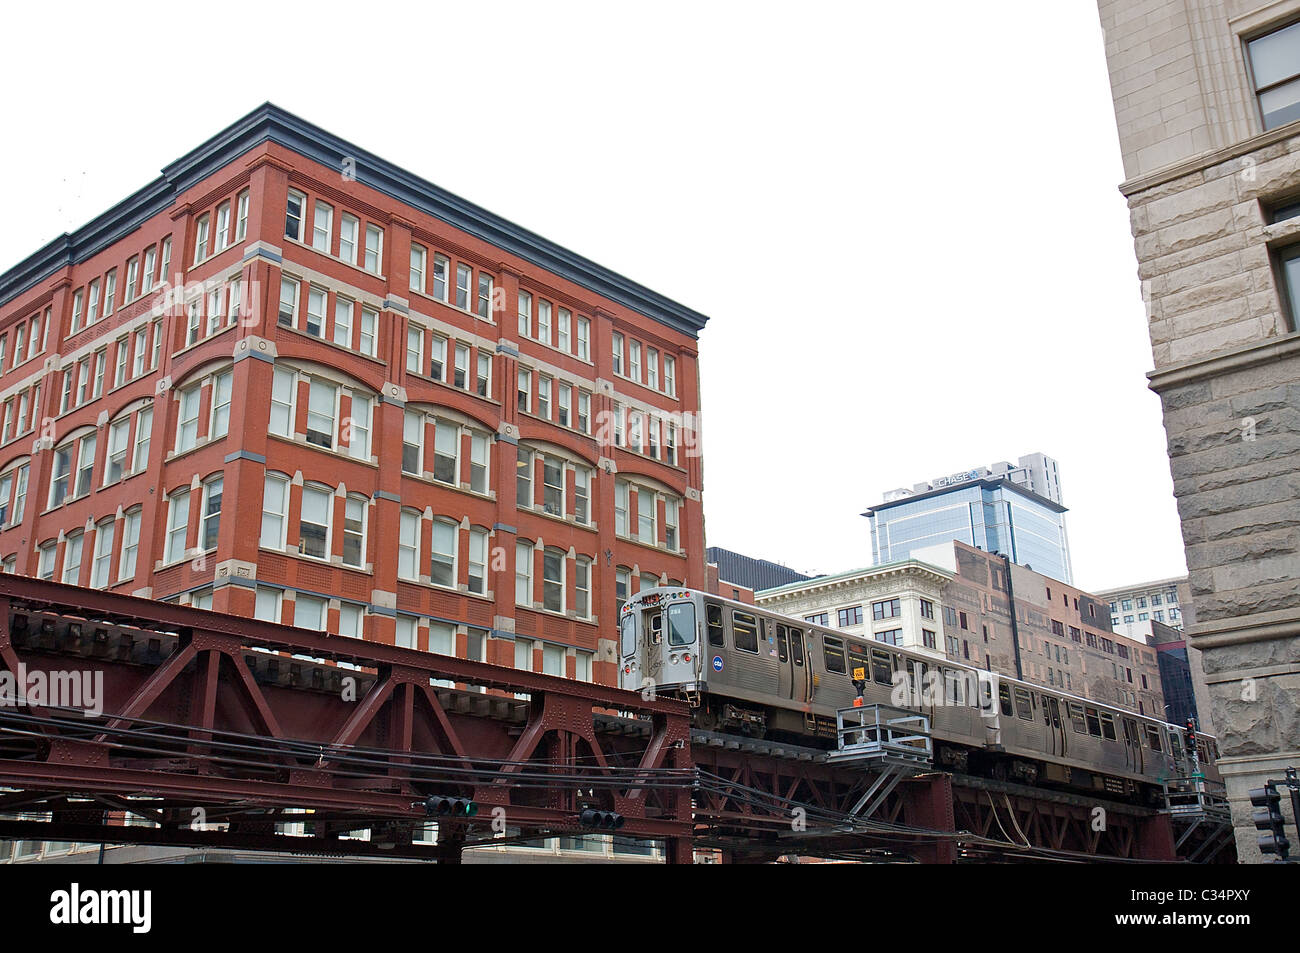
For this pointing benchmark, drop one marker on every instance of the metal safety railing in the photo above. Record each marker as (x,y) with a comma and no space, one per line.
(1195,797)
(883,732)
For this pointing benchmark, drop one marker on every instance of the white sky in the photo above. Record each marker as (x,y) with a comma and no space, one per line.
(906,231)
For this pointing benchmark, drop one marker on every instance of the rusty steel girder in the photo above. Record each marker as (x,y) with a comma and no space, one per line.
(244,720)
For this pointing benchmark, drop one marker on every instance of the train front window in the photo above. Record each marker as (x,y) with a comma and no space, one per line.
(744,628)
(628,626)
(713,619)
(681,624)
(1004,700)
(882,668)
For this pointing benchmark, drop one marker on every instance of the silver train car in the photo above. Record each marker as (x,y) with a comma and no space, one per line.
(747,670)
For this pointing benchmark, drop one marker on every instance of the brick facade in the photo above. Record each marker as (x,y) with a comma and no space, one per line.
(367,429)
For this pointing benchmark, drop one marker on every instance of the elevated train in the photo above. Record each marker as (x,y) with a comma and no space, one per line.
(747,670)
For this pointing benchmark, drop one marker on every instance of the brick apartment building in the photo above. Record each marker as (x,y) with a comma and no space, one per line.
(291,380)
(956,602)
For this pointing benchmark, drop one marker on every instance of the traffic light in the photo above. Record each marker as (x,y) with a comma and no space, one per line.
(449,806)
(601,820)
(1269,818)
(1191,735)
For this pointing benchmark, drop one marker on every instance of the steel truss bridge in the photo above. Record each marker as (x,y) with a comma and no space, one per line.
(227,732)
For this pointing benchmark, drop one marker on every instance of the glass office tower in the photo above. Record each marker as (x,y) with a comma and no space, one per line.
(994,515)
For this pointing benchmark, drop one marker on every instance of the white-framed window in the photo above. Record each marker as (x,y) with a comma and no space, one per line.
(645,509)
(670,375)
(374,248)
(222,238)
(418,257)
(322,408)
(582,587)
(178,523)
(201,239)
(553,580)
(287,315)
(440,267)
(219,425)
(413,442)
(485,296)
(72,557)
(483,377)
(293,216)
(634,360)
(130,544)
(563,330)
(165,265)
(85,465)
(460,373)
(344,309)
(354,530)
(478,462)
(525,390)
(552,659)
(670,523)
(525,314)
(369,330)
(103,554)
(408,545)
(110,292)
(524,654)
(275,510)
(438,357)
(406,631)
(524,577)
(119,434)
(581,495)
(442,566)
(322,229)
(618,352)
(351,619)
(464,274)
(524,478)
(45,564)
(241,217)
(620,507)
(14,517)
(553,485)
(92,308)
(267,604)
(143,433)
(584,338)
(314,521)
(478,554)
(132,277)
(415,349)
(147,275)
(543,396)
(284,390)
(564,404)
(359,427)
(584,411)
(446,452)
(210,517)
(309,611)
(652,367)
(543,321)
(582,665)
(317,300)
(187,418)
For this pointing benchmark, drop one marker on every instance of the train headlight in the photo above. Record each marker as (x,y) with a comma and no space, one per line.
(673,658)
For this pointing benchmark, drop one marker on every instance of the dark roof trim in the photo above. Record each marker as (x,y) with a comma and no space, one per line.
(269,122)
(986,482)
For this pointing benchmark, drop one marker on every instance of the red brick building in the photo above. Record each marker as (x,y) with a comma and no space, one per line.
(288,379)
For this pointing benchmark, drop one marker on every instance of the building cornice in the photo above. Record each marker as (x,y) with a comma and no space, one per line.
(1225,362)
(1205,160)
(269,123)
(856,580)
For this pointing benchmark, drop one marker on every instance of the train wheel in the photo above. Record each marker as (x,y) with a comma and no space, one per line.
(706,720)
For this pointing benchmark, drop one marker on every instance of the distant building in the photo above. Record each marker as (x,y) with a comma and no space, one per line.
(960,603)
(1176,667)
(747,572)
(1163,601)
(1001,508)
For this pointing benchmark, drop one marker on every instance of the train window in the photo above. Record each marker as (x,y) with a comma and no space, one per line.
(1004,699)
(953,687)
(628,626)
(1108,726)
(657,629)
(782,643)
(833,652)
(1094,722)
(796,646)
(882,668)
(1153,738)
(1047,717)
(1054,709)
(745,629)
(713,617)
(857,658)
(1023,705)
(1076,717)
(681,624)
(1176,743)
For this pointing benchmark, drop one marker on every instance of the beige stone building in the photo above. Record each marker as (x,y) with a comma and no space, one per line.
(1207,98)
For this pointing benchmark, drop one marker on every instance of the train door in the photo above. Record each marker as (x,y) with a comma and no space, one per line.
(1056,738)
(921,695)
(785,674)
(799,667)
(1133,742)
